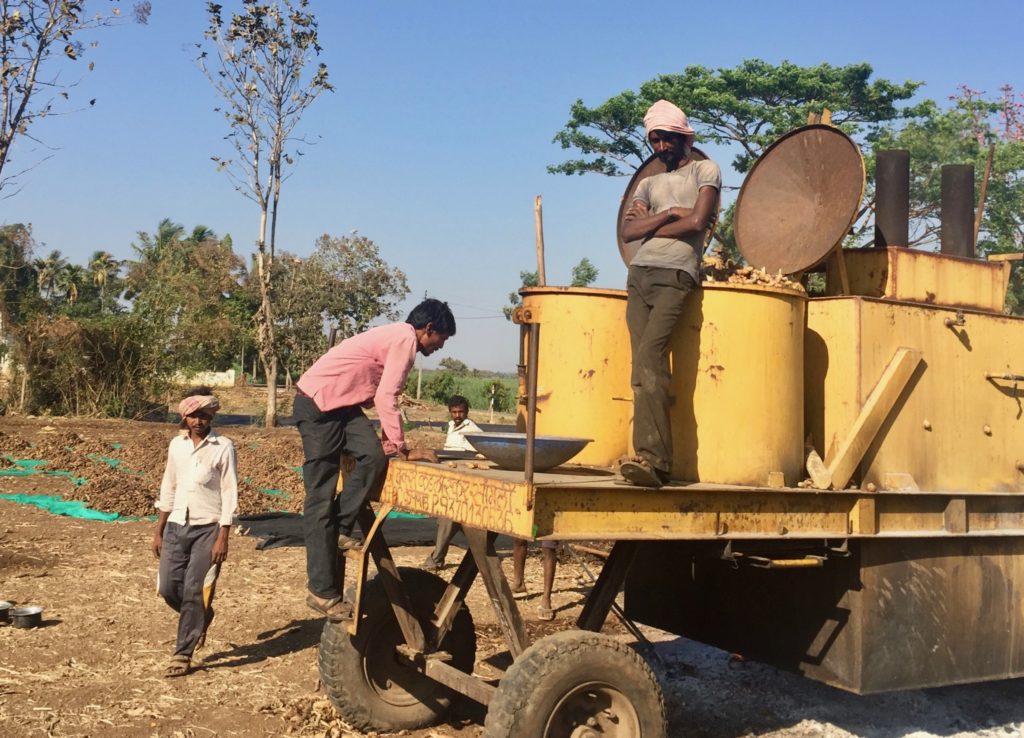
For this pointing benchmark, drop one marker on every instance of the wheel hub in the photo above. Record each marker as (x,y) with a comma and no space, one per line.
(593,710)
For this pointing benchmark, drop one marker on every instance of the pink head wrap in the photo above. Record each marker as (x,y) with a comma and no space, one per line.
(664,116)
(198,402)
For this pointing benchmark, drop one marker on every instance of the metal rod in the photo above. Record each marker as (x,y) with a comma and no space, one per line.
(892,198)
(531,399)
(958,210)
(538,221)
(615,609)
(983,193)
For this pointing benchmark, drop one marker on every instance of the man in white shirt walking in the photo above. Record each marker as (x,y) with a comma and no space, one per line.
(198,500)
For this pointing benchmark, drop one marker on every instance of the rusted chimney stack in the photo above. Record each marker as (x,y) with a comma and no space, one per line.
(892,198)
(958,210)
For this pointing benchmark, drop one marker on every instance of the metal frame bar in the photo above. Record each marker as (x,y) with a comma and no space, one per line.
(609,582)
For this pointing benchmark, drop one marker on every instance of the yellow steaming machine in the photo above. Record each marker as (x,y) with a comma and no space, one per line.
(850,494)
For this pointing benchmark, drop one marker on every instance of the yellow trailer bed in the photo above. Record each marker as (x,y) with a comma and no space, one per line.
(588,504)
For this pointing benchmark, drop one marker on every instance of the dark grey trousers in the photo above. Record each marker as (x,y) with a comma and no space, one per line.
(446,530)
(654,302)
(325,436)
(185,568)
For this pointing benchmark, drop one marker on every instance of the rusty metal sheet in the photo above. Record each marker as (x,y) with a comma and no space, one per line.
(653,165)
(799,200)
(894,614)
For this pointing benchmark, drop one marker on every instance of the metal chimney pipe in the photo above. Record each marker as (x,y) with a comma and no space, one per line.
(892,198)
(958,210)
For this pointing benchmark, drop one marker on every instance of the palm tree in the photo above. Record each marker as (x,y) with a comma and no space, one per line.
(201,233)
(104,269)
(47,271)
(152,250)
(167,233)
(68,279)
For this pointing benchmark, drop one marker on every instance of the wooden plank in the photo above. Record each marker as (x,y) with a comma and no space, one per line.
(481,546)
(465,684)
(387,572)
(454,597)
(874,412)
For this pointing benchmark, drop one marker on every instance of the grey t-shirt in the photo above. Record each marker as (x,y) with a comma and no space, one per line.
(678,188)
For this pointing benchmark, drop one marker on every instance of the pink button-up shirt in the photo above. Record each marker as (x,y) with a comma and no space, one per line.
(369,370)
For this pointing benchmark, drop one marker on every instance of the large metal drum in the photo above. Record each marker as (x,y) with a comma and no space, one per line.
(584,363)
(737,386)
(737,379)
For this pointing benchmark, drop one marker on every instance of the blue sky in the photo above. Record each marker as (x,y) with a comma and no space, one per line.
(436,139)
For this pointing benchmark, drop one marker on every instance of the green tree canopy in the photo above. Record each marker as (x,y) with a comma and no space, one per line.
(361,286)
(749,105)
(185,286)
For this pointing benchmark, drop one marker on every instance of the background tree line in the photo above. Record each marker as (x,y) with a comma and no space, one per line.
(110,336)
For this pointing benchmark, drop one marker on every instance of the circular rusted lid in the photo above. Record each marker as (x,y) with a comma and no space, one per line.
(799,200)
(653,165)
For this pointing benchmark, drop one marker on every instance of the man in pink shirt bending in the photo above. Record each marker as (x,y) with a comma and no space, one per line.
(366,370)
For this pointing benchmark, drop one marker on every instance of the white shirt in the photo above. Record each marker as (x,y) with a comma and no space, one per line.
(456,441)
(200,484)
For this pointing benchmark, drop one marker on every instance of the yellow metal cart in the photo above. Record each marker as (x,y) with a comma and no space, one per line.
(894,565)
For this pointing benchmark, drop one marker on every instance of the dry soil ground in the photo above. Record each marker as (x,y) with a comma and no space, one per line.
(94,669)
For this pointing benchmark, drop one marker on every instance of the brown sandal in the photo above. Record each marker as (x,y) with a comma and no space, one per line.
(180,666)
(335,609)
(640,472)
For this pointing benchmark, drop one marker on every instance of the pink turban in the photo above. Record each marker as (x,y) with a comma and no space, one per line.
(664,116)
(198,402)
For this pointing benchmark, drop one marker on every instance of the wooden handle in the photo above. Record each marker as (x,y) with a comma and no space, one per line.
(538,218)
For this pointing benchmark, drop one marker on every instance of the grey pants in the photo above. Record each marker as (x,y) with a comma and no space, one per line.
(654,302)
(446,530)
(325,514)
(185,571)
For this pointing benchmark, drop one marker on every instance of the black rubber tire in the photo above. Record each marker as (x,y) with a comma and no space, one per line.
(362,675)
(536,684)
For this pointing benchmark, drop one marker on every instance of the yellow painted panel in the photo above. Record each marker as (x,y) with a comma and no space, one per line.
(952,429)
(912,275)
(681,513)
(477,498)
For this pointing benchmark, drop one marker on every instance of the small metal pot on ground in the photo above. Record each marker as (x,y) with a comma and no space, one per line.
(27,617)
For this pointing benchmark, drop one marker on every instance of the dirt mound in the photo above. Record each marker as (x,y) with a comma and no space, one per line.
(125,494)
(13,445)
(123,464)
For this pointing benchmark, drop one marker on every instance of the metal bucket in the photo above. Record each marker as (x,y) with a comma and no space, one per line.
(27,617)
(5,611)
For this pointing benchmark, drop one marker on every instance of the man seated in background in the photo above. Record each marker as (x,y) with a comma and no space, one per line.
(458,427)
